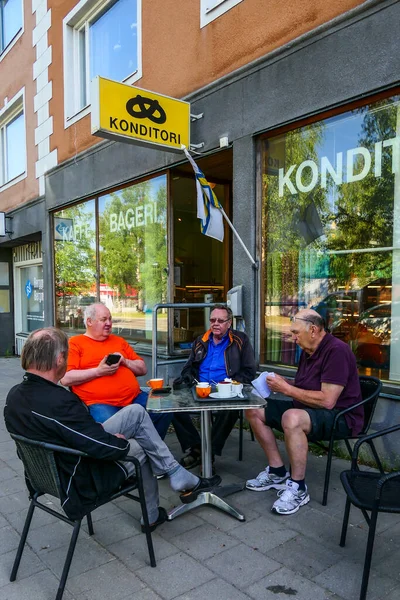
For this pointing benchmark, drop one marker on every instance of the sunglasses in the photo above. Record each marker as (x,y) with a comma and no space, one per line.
(212,321)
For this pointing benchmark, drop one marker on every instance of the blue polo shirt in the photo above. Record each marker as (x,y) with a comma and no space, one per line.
(212,368)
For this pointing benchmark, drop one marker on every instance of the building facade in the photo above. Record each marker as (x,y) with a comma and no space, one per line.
(296,121)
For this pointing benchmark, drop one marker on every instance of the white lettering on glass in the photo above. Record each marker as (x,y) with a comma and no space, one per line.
(358,165)
(134,217)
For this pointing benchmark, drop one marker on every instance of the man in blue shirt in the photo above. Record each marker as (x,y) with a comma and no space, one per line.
(219,353)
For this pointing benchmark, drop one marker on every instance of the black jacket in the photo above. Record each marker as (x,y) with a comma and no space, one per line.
(239,358)
(44,411)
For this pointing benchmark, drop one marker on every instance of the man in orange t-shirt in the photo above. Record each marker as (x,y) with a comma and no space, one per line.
(105,388)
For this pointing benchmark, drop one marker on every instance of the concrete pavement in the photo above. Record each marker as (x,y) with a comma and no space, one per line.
(204,554)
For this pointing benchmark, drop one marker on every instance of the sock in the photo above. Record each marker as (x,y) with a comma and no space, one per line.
(279,471)
(301,483)
(180,479)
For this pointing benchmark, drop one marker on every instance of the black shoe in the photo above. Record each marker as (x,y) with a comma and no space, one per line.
(162,517)
(204,485)
(192,459)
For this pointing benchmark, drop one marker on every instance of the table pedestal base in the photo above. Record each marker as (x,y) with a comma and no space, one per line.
(214,498)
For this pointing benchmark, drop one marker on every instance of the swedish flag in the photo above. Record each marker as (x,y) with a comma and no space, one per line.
(208,206)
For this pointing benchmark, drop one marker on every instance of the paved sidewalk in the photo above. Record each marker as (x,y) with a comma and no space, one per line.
(205,554)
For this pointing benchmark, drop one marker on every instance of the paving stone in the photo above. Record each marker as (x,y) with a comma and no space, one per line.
(242,566)
(181,524)
(222,520)
(133,552)
(143,594)
(30,564)
(286,584)
(204,542)
(216,588)
(12,485)
(88,555)
(9,539)
(175,575)
(264,533)
(40,586)
(52,536)
(305,556)
(5,473)
(112,580)
(114,529)
(14,503)
(40,518)
(344,578)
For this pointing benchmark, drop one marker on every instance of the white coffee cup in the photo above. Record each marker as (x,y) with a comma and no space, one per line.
(224,388)
(237,388)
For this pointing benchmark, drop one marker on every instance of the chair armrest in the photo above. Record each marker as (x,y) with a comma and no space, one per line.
(349,409)
(383,481)
(367,438)
(133,460)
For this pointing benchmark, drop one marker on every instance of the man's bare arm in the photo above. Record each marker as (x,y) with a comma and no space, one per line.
(324,398)
(138,366)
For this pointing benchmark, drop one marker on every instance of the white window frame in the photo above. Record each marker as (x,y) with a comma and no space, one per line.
(80,17)
(16,37)
(12,109)
(212,9)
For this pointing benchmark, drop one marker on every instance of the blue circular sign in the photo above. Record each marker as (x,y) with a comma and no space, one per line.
(28,289)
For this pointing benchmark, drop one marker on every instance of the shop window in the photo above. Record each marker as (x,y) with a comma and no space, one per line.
(331,240)
(31,296)
(122,262)
(212,9)
(10,21)
(99,39)
(12,142)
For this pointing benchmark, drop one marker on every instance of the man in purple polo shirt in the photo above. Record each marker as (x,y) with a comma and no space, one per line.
(325,383)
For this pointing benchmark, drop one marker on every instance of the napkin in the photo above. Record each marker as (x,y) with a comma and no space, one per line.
(261,386)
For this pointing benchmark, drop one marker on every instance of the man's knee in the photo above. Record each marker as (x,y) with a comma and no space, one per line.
(254,415)
(295,419)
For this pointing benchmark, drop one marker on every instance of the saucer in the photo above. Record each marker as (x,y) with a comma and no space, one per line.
(225,396)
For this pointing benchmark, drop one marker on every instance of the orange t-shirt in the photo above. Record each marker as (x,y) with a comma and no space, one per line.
(118,389)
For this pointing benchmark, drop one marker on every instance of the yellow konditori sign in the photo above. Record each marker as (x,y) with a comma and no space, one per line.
(130,114)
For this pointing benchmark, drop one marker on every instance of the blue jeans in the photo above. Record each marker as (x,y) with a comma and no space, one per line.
(102,412)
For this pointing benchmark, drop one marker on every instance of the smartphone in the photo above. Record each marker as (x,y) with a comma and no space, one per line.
(112,359)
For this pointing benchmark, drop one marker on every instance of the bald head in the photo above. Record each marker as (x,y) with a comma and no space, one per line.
(311,316)
(42,349)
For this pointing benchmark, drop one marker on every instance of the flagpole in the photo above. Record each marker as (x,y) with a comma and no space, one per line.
(254,263)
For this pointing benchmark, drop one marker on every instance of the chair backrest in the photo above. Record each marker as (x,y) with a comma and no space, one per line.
(370,390)
(40,463)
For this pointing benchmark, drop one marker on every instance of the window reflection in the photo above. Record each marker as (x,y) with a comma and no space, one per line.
(331,200)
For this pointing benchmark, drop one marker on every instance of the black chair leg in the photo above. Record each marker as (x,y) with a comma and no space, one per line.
(68,560)
(240,435)
(22,541)
(327,474)
(368,555)
(145,518)
(90,524)
(345,523)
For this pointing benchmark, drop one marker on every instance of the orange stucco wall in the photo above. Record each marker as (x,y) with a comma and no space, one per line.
(179,57)
(16,72)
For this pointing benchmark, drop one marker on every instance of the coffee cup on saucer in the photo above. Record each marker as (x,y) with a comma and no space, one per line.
(224,388)
(237,387)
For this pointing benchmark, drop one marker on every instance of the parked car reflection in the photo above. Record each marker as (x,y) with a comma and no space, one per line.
(374,337)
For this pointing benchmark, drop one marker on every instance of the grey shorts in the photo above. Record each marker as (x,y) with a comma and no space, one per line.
(321,420)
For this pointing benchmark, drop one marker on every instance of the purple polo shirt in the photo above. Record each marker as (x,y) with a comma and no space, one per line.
(333,362)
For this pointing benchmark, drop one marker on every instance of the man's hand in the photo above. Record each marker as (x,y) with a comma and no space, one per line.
(104,369)
(276,383)
(120,435)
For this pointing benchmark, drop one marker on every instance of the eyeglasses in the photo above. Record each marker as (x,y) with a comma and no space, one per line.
(212,321)
(294,319)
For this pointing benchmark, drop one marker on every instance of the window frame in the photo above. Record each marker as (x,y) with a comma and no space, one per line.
(77,102)
(13,109)
(4,50)
(212,9)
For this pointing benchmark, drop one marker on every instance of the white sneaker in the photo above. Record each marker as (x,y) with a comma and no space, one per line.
(266,481)
(290,499)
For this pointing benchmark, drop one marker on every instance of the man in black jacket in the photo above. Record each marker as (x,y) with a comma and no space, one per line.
(219,353)
(40,409)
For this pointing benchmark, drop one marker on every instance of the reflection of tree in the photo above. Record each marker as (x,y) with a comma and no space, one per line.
(75,261)
(133,241)
(364,212)
(282,213)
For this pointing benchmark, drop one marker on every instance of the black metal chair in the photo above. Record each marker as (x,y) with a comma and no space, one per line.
(370,390)
(42,474)
(369,491)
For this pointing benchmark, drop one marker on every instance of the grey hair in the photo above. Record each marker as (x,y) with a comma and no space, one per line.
(229,313)
(90,311)
(42,348)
